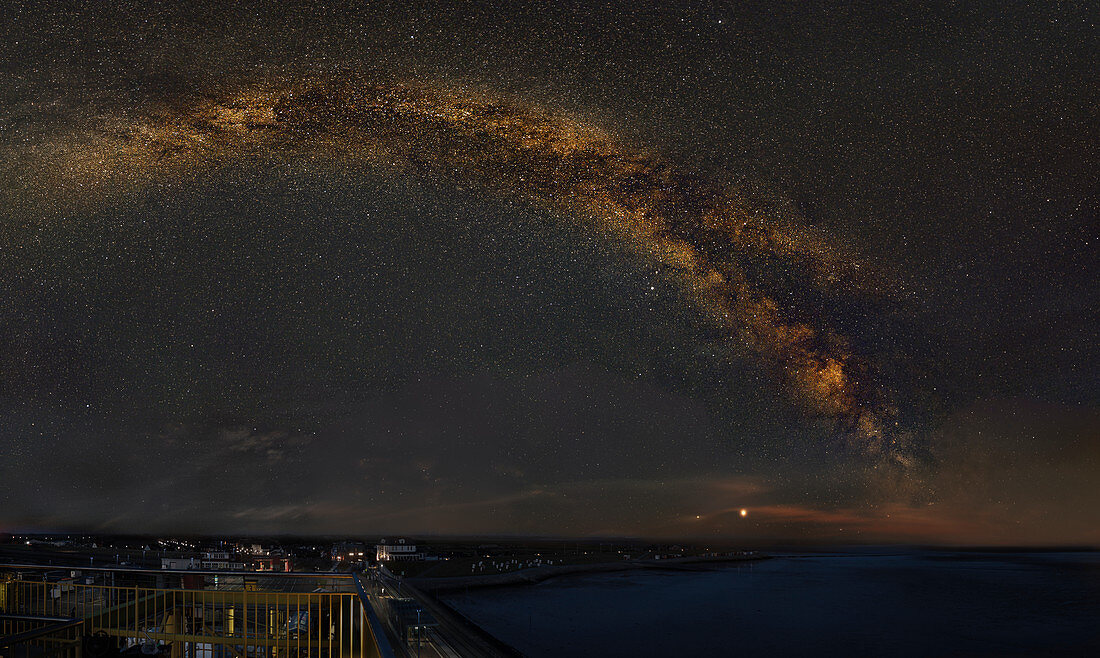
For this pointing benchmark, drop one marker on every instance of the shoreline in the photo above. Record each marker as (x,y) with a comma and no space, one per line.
(467,631)
(536,575)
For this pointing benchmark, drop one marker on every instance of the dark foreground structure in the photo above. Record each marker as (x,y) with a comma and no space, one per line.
(70,611)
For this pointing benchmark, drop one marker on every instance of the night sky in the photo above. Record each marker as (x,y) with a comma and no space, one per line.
(552,269)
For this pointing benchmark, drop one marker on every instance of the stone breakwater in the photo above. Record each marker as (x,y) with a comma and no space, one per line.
(539,574)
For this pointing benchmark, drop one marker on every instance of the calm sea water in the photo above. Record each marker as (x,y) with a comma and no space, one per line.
(913,604)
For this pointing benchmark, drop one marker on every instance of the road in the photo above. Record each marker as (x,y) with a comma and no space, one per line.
(454,637)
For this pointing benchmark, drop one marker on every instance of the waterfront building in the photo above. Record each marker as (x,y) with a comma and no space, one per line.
(397,550)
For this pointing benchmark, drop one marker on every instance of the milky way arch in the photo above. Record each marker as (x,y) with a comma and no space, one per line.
(695,228)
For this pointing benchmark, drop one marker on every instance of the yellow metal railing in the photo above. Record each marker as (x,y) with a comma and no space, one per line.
(197,622)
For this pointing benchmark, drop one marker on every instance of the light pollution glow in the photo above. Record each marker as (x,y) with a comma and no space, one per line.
(699,231)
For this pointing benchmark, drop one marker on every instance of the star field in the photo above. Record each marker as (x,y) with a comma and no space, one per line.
(419,269)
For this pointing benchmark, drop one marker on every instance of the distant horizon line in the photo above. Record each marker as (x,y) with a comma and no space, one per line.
(803,544)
